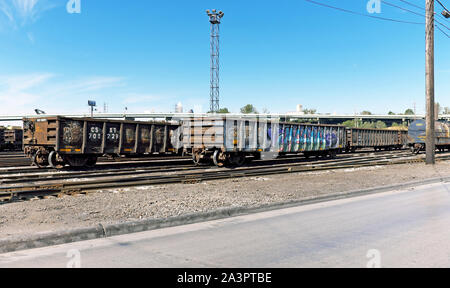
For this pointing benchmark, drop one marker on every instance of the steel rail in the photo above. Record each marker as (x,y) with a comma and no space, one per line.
(77,188)
(144,170)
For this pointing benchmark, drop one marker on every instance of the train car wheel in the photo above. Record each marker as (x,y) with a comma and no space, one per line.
(238,160)
(54,162)
(196,158)
(218,159)
(333,154)
(33,160)
(39,160)
(92,160)
(75,161)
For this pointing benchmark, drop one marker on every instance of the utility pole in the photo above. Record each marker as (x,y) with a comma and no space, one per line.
(430,116)
(214,18)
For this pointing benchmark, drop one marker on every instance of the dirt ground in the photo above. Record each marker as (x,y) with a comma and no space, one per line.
(128,204)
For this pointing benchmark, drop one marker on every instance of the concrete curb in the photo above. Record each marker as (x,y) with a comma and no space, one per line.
(103,231)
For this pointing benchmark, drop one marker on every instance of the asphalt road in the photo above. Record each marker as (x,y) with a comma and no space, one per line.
(408,228)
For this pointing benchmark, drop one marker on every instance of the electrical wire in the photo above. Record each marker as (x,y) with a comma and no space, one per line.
(448,36)
(421,8)
(411,4)
(401,8)
(384,18)
(440,3)
(422,15)
(410,11)
(362,14)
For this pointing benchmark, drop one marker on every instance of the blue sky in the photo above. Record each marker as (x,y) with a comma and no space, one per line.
(149,55)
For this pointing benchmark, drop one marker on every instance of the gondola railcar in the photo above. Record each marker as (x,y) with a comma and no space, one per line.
(377,139)
(11,138)
(228,141)
(78,142)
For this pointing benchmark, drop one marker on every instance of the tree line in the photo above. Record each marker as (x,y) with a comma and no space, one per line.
(251,109)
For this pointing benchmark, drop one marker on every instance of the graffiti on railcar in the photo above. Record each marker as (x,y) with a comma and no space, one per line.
(130,132)
(159,135)
(145,135)
(72,133)
(323,143)
(297,139)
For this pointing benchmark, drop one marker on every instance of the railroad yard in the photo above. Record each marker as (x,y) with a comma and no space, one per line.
(120,147)
(39,200)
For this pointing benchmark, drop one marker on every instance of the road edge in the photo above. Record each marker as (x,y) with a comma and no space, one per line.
(41,240)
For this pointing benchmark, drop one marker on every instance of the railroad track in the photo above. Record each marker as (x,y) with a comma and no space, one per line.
(190,175)
(13,159)
(18,159)
(17,175)
(105,163)
(100,166)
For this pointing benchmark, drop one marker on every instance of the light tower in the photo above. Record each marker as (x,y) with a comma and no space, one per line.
(214,19)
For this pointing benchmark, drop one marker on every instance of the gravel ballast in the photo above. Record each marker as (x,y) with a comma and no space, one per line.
(161,201)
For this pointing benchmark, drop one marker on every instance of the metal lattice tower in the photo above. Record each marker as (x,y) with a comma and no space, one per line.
(214,19)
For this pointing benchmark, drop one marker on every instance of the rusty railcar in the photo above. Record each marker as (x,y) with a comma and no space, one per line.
(78,142)
(11,138)
(2,137)
(377,139)
(224,140)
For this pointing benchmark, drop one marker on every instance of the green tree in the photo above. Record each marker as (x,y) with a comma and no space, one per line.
(352,123)
(391,113)
(349,123)
(249,109)
(309,111)
(409,112)
(366,113)
(397,125)
(368,125)
(223,111)
(380,125)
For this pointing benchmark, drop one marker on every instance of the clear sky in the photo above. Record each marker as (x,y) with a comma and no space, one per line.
(149,55)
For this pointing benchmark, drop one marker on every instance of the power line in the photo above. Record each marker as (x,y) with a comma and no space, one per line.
(422,15)
(362,14)
(404,9)
(411,4)
(383,18)
(440,3)
(414,5)
(386,19)
(448,36)
(410,11)
(421,8)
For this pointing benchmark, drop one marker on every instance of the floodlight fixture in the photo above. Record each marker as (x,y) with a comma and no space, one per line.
(92,104)
(39,112)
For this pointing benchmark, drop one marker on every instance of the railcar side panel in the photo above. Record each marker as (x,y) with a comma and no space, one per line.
(79,141)
(375,138)
(231,139)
